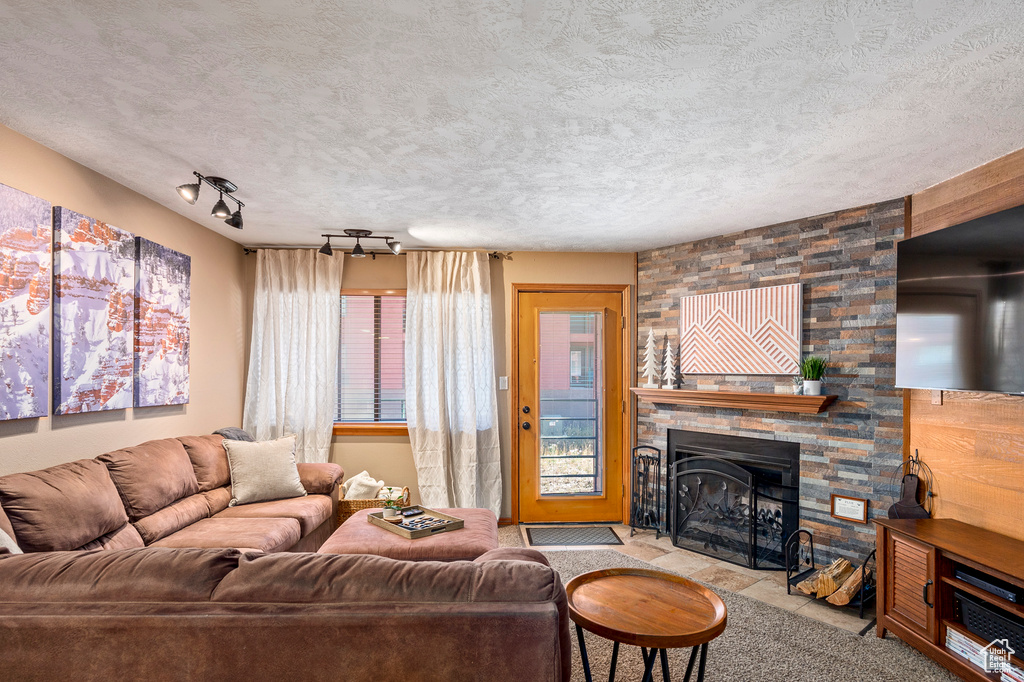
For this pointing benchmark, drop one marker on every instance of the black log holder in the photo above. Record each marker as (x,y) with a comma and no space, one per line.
(645,503)
(800,566)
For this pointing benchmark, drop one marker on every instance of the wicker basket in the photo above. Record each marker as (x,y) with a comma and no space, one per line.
(347,508)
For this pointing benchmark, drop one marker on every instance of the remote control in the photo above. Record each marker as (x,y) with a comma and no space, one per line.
(411,512)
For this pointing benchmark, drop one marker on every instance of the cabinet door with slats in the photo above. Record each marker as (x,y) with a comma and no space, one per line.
(910,591)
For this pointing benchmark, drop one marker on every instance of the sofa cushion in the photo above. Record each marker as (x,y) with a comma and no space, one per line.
(173,517)
(217,499)
(62,507)
(513,554)
(263,471)
(298,578)
(319,478)
(265,535)
(130,575)
(151,476)
(125,537)
(209,460)
(309,511)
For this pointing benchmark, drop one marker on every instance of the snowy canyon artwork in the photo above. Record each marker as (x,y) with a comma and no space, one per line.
(94,308)
(24,304)
(162,296)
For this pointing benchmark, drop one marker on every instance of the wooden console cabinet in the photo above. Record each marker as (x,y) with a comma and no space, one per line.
(917,559)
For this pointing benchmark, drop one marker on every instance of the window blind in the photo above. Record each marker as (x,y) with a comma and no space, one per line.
(371,359)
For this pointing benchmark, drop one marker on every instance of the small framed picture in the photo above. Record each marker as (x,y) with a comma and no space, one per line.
(849,508)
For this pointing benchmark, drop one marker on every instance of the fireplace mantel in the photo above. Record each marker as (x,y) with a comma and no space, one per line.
(770,402)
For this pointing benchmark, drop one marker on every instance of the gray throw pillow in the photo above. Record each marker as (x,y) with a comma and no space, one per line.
(235,433)
(8,545)
(263,470)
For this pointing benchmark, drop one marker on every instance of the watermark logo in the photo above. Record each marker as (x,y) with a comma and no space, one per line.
(996,656)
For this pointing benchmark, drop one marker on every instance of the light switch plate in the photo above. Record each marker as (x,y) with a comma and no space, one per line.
(502,383)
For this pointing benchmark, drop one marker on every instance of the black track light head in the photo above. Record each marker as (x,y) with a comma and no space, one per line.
(396,247)
(357,251)
(326,248)
(189,192)
(235,220)
(220,209)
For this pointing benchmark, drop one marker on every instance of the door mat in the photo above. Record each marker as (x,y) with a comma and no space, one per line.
(573,535)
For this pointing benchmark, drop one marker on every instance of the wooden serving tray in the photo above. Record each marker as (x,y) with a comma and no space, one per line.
(415,528)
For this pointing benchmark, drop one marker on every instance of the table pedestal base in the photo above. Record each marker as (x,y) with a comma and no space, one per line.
(649,655)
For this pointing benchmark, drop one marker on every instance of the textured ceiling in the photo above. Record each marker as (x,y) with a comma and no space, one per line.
(535,124)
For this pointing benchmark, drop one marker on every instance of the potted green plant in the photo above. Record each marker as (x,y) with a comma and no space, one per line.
(392,504)
(812,369)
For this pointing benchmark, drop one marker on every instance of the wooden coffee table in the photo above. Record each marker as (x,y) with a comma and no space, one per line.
(649,609)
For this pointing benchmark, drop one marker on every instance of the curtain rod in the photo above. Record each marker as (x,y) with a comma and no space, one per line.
(248,250)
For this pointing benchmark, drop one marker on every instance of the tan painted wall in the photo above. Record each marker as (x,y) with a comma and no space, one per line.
(218,327)
(390,458)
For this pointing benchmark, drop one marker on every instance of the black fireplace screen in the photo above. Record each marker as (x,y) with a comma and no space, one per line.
(731,512)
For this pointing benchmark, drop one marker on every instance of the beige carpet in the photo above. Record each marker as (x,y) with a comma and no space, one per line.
(761,642)
(509,536)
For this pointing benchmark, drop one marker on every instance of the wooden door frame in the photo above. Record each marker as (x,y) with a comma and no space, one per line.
(627,370)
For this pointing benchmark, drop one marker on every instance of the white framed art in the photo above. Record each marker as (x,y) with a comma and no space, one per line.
(752,331)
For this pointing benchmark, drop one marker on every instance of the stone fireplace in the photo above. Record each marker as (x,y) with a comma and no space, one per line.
(846,263)
(731,497)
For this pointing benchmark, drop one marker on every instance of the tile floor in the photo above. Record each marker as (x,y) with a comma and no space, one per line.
(766,586)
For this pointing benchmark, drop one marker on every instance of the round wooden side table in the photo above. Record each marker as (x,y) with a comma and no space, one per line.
(649,609)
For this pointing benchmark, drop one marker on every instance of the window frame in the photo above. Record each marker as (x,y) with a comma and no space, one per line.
(371,428)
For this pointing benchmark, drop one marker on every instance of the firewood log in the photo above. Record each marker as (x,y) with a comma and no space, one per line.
(810,586)
(850,588)
(831,582)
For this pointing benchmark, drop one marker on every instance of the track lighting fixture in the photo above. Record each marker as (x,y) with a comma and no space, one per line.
(220,209)
(190,193)
(235,220)
(357,251)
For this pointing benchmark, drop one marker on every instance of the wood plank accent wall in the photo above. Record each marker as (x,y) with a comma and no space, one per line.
(973,442)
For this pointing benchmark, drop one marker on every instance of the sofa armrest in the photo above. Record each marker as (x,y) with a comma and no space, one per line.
(320,479)
(513,554)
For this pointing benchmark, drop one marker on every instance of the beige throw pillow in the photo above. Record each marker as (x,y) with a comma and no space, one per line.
(263,470)
(8,545)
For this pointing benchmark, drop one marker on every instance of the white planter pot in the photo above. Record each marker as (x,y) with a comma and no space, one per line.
(390,512)
(812,387)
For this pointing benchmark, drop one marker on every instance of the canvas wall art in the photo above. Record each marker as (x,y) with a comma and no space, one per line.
(94,313)
(162,281)
(754,331)
(24,304)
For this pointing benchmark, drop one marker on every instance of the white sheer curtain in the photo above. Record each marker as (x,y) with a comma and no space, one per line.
(451,404)
(293,360)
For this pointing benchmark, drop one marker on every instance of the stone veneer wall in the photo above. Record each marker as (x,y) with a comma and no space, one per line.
(846,262)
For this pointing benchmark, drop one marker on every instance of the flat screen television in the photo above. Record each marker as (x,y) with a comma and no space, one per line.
(960,307)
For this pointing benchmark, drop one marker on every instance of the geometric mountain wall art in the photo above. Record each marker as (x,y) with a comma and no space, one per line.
(24,304)
(754,331)
(94,311)
(162,296)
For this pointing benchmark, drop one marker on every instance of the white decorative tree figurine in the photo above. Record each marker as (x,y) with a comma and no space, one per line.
(668,369)
(651,361)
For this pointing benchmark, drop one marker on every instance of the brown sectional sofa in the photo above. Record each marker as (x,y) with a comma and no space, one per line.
(172,492)
(190,614)
(135,566)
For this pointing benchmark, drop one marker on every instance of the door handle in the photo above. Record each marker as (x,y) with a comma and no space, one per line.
(924,594)
(526,426)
